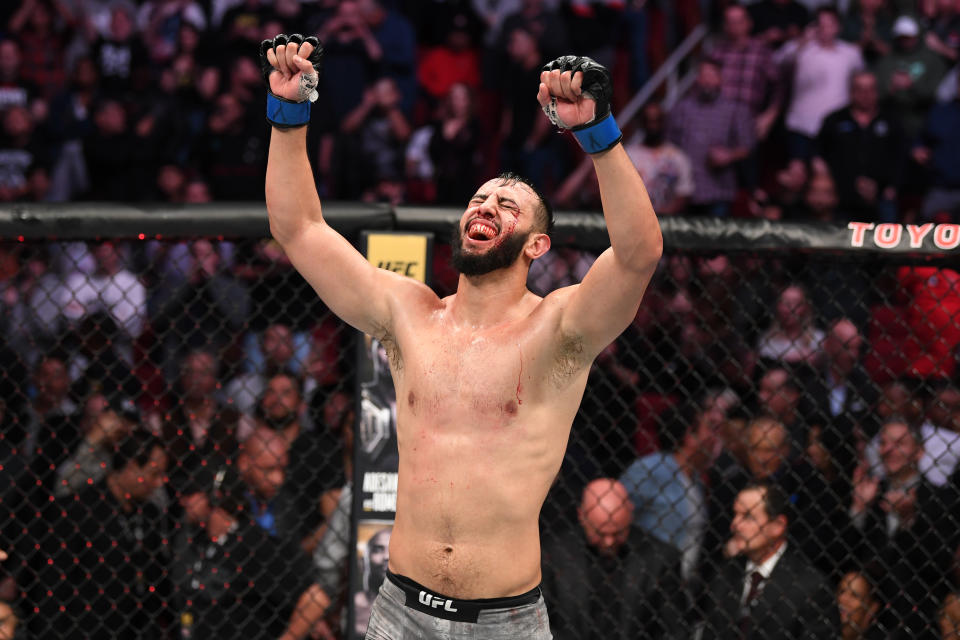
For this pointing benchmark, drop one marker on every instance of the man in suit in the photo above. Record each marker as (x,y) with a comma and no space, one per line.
(818,509)
(766,589)
(849,391)
(611,579)
(897,524)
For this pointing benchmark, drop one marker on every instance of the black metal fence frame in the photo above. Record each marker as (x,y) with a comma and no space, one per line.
(582,230)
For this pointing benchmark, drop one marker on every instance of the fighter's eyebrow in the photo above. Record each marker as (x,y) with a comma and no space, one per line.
(500,200)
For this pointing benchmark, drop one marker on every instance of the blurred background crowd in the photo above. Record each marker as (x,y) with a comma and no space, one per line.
(800,110)
(176,414)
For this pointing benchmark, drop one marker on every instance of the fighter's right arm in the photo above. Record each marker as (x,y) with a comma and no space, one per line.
(354,289)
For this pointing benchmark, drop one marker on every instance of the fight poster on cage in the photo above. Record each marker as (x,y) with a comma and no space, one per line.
(375,441)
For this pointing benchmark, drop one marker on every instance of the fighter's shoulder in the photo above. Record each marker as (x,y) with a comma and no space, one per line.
(559,297)
(552,305)
(410,293)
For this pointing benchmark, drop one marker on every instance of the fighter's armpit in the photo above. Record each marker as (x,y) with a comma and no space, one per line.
(390,345)
(569,359)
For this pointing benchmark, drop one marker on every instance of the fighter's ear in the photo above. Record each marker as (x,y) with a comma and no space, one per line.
(538,245)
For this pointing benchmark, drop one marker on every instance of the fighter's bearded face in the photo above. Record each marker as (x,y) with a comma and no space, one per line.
(495,228)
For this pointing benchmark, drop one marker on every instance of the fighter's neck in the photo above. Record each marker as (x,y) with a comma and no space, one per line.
(489,299)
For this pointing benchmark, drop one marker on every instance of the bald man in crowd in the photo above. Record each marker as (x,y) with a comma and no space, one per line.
(610,579)
(850,392)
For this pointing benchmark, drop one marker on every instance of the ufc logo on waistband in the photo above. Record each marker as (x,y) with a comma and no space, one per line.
(433,601)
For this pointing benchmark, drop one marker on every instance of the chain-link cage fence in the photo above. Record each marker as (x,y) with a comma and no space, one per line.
(178,420)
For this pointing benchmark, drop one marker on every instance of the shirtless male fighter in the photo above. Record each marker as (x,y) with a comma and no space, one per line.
(489,379)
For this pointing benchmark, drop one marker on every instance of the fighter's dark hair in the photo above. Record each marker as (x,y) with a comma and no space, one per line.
(545,211)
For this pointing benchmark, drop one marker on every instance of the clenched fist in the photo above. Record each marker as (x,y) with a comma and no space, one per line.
(296,61)
(575,94)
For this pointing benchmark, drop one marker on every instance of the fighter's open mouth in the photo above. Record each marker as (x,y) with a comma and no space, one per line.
(481,230)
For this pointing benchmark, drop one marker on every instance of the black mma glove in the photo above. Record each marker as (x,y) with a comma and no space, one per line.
(281,112)
(601,133)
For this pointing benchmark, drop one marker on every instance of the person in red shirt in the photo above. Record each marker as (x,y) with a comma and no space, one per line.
(454,62)
(933,317)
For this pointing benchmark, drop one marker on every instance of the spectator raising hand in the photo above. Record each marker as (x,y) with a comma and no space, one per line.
(865,489)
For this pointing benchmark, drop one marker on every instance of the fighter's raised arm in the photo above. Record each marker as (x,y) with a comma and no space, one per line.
(354,289)
(575,94)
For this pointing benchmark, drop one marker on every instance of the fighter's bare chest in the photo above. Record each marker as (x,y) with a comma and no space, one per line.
(483,374)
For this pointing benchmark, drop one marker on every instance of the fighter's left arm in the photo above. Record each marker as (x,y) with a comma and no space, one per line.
(606,301)
(575,94)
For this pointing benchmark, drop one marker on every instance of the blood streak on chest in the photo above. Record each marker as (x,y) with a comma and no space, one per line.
(520,377)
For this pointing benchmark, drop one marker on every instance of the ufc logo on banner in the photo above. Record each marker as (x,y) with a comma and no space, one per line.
(433,601)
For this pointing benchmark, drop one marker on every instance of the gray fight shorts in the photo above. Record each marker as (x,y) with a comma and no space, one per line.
(405,610)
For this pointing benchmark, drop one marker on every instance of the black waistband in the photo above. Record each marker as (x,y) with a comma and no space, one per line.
(440,606)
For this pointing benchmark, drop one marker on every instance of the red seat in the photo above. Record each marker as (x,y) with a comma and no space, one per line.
(886,335)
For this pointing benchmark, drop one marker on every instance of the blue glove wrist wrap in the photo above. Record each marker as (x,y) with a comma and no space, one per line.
(284,114)
(599,136)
